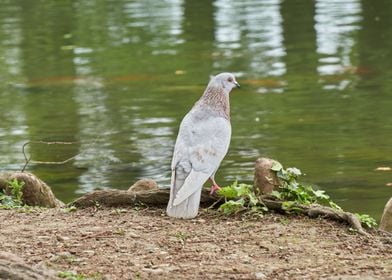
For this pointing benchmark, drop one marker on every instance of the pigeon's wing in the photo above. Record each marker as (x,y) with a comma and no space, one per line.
(192,183)
(202,143)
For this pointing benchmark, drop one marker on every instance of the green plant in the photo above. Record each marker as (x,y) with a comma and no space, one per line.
(294,196)
(14,199)
(70,208)
(182,236)
(295,193)
(16,188)
(120,231)
(70,275)
(239,197)
(366,220)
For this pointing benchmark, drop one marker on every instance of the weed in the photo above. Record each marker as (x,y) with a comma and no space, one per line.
(240,197)
(284,221)
(70,275)
(296,193)
(120,232)
(70,208)
(366,220)
(293,194)
(14,199)
(182,236)
(16,188)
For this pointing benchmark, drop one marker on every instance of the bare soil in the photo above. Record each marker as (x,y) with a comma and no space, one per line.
(131,243)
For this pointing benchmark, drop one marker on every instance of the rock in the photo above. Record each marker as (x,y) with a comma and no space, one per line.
(13,267)
(260,275)
(144,185)
(35,191)
(265,179)
(386,219)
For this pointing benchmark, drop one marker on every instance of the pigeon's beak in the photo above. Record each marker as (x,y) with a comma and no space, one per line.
(237,84)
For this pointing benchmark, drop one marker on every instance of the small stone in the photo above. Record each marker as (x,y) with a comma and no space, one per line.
(144,185)
(62,238)
(386,219)
(89,253)
(260,275)
(64,255)
(133,235)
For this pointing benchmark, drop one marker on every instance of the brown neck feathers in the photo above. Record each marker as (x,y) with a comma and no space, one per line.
(217,100)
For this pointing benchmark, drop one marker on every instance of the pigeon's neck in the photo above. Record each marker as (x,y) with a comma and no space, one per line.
(218,100)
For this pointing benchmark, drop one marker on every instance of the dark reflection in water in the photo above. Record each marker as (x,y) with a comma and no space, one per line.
(116,77)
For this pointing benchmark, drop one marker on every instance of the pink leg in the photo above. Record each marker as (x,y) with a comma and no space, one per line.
(214,186)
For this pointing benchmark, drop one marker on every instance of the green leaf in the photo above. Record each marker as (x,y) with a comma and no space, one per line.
(291,206)
(253,200)
(228,192)
(335,206)
(231,206)
(6,201)
(276,166)
(320,194)
(294,171)
(283,174)
(244,189)
(277,194)
(366,220)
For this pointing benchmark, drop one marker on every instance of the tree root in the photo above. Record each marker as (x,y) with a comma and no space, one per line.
(315,211)
(115,198)
(160,197)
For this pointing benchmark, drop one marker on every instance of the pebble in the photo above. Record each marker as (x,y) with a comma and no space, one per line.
(260,275)
(90,253)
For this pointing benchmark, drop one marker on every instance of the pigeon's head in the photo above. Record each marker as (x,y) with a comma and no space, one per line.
(226,81)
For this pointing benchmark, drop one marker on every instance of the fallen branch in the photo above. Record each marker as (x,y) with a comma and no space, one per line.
(315,211)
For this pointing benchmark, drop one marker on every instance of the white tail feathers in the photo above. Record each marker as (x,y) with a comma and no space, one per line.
(187,209)
(185,194)
(184,189)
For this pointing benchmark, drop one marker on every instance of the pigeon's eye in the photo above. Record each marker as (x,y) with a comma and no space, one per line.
(230,79)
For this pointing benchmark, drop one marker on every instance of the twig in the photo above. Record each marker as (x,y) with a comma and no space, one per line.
(28,160)
(101,234)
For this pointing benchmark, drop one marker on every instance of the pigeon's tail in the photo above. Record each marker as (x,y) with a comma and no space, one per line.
(184,196)
(187,209)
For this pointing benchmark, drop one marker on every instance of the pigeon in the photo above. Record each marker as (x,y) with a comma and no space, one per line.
(202,143)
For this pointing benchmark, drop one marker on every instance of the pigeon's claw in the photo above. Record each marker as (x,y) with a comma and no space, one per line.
(214,188)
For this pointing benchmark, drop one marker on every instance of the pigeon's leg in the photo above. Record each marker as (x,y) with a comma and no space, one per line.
(214,186)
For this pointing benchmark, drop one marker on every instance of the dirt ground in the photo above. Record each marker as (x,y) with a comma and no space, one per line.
(146,244)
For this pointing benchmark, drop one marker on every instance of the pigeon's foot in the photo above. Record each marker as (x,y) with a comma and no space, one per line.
(214,188)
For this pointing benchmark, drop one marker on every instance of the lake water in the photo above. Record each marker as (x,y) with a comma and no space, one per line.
(115,78)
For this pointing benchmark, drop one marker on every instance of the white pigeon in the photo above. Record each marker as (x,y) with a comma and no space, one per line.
(202,143)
